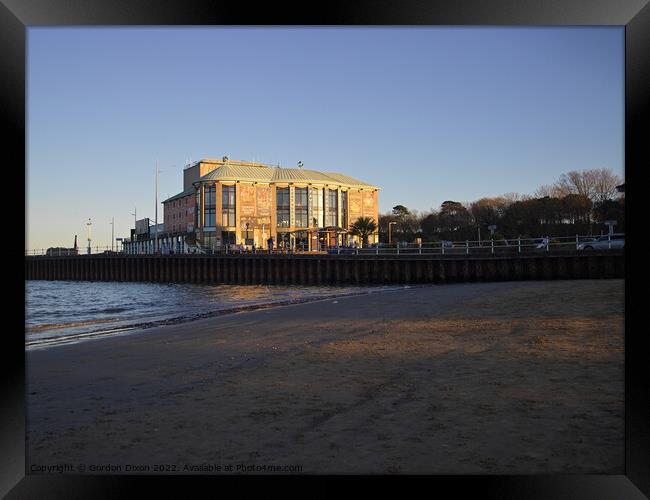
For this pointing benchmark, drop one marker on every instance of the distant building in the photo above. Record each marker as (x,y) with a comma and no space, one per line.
(143,237)
(232,202)
(61,251)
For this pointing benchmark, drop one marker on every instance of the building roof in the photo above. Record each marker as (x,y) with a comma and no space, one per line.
(238,172)
(345,179)
(262,173)
(185,193)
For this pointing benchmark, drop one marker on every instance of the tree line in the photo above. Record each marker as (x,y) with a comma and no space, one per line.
(579,202)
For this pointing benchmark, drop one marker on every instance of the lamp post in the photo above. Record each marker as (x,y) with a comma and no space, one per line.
(390,232)
(112,232)
(156,212)
(89,226)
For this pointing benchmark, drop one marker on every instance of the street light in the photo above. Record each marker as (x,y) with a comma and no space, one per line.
(112,232)
(89,225)
(156,212)
(390,232)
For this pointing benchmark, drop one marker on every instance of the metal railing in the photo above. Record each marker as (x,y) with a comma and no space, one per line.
(67,252)
(510,246)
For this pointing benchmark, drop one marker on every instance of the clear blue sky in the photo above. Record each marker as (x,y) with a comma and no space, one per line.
(429,114)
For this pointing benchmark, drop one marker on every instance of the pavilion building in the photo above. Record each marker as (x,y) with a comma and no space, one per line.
(232,202)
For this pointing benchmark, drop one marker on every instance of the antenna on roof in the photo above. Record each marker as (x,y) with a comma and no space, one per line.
(225,158)
(300,164)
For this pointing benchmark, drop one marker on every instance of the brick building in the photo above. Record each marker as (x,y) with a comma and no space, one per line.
(232,202)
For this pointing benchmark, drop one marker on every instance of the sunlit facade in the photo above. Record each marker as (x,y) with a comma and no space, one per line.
(231,202)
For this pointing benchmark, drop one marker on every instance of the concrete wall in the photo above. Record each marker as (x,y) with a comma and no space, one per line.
(324,269)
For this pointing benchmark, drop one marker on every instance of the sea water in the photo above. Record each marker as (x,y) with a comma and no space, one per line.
(69,311)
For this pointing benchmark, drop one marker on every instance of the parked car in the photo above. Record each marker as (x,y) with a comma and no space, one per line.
(541,243)
(603,242)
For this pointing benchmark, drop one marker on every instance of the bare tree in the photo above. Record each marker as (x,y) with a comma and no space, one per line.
(596,184)
(606,183)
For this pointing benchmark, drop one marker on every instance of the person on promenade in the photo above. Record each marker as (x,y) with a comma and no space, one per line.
(269,242)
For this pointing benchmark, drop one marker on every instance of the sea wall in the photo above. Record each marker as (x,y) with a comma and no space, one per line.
(325,269)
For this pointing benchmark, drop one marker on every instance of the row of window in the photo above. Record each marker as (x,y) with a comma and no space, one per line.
(319,217)
(301,207)
(178,215)
(178,203)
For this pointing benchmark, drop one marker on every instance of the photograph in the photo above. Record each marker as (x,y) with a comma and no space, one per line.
(327,250)
(348,250)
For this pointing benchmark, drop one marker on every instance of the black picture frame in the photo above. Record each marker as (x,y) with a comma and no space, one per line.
(17,15)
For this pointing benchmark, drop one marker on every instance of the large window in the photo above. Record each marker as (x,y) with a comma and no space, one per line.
(228,206)
(283,205)
(209,216)
(317,208)
(332,208)
(301,207)
(344,209)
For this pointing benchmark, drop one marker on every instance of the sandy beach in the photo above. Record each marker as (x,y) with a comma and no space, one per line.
(489,378)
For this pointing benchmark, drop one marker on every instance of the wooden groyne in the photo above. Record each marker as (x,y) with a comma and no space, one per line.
(324,269)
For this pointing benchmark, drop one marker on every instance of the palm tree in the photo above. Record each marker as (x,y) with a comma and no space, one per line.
(364,227)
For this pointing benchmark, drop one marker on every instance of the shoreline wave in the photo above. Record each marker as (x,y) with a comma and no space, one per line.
(59,326)
(132,327)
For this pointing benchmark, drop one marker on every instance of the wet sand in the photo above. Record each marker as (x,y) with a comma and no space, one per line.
(493,378)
